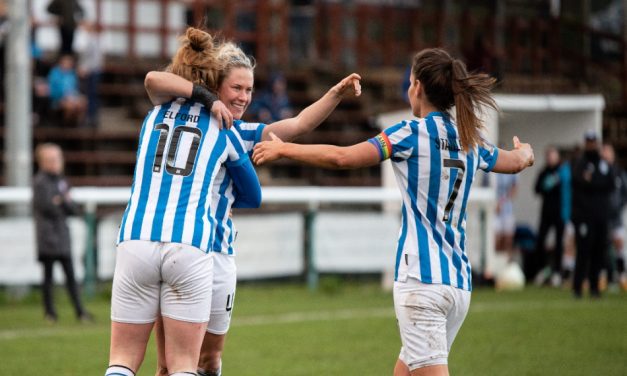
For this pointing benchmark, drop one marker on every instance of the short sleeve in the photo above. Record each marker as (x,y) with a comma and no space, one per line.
(395,141)
(250,133)
(488,154)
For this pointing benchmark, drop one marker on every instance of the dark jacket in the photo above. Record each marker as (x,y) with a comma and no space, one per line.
(53,233)
(70,12)
(591,197)
(549,186)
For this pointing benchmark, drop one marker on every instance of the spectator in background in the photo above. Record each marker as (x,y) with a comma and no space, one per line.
(64,91)
(592,183)
(553,186)
(273,104)
(68,13)
(90,68)
(618,199)
(505,222)
(51,207)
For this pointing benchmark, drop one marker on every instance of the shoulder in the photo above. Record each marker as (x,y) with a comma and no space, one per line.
(241,125)
(405,126)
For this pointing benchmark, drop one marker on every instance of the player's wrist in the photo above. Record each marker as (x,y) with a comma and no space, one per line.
(203,95)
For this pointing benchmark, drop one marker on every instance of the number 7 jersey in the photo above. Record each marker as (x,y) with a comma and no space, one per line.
(180,152)
(434,176)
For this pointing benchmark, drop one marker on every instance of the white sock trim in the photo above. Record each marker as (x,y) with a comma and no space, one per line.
(119,371)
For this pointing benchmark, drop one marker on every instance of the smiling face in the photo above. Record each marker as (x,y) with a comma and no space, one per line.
(236,91)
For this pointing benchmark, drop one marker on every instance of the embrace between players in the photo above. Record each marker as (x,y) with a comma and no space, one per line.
(175,267)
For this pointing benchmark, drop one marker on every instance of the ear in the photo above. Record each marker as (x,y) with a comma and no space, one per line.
(418,86)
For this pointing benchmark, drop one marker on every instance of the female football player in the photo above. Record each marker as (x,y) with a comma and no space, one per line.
(435,159)
(234,87)
(164,261)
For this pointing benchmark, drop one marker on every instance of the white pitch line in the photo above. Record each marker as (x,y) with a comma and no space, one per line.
(309,316)
(297,317)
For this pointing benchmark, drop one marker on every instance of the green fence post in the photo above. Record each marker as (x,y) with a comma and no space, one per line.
(90,250)
(312,272)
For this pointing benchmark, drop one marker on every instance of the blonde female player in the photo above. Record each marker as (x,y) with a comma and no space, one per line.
(163,262)
(435,159)
(234,88)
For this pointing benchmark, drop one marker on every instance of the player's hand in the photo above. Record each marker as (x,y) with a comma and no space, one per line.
(526,149)
(350,83)
(222,114)
(267,151)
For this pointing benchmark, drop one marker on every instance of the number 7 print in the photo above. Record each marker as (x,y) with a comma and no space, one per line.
(459,165)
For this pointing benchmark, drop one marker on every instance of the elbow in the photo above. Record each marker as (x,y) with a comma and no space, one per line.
(150,80)
(341,161)
(255,200)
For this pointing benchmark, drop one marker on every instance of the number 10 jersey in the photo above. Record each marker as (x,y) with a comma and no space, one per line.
(181,149)
(434,175)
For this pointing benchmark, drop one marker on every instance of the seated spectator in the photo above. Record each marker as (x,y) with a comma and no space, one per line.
(64,93)
(273,104)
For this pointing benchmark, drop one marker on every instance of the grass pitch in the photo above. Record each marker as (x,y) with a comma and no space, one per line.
(344,329)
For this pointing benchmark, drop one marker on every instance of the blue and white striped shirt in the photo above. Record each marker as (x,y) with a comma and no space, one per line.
(180,152)
(434,175)
(222,194)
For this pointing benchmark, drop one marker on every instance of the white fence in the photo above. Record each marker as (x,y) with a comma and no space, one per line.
(267,245)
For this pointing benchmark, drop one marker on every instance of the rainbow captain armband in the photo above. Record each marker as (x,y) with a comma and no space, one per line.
(383,145)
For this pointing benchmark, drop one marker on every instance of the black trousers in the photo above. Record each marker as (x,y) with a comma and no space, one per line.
(70,284)
(67,39)
(546,223)
(591,241)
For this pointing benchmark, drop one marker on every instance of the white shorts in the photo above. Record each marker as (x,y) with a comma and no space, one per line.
(504,224)
(169,278)
(223,296)
(429,317)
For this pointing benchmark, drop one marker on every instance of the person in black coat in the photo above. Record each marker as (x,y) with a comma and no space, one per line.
(592,183)
(51,207)
(549,186)
(69,13)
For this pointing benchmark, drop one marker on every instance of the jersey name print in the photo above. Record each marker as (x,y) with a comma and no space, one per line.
(435,175)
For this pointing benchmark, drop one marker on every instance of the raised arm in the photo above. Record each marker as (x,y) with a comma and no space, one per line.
(515,160)
(326,156)
(309,118)
(162,87)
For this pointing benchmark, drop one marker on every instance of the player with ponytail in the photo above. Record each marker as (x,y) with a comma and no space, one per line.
(435,158)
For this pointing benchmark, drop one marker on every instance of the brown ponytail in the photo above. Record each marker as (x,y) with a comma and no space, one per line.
(196,59)
(446,82)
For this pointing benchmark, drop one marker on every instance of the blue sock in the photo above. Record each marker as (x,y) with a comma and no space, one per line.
(115,370)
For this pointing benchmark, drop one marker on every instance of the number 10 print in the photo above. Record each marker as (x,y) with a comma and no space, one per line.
(180,134)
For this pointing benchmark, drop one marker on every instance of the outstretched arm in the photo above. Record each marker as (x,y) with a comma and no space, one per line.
(309,118)
(515,160)
(327,156)
(163,87)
